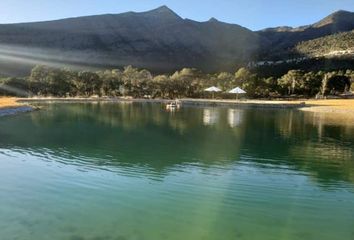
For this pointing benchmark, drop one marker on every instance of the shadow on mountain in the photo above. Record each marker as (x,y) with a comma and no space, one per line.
(158,40)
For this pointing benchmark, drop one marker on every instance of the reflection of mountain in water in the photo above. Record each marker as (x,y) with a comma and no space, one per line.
(126,136)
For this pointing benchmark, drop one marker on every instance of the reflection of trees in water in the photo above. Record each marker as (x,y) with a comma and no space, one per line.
(288,138)
(138,134)
(210,116)
(291,123)
(318,146)
(321,120)
(327,162)
(235,117)
(130,116)
(145,135)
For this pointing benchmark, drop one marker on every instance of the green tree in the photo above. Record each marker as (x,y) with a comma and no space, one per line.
(242,75)
(291,81)
(87,83)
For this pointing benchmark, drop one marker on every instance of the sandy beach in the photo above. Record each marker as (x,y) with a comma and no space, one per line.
(8,102)
(341,106)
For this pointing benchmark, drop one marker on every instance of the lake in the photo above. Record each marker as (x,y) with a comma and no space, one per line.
(111,171)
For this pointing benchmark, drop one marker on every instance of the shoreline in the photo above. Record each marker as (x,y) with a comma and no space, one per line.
(338,107)
(184,101)
(330,106)
(11,106)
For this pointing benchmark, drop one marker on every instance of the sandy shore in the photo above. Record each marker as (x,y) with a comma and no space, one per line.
(340,106)
(6,102)
(331,112)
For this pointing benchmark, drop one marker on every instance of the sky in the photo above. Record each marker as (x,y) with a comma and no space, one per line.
(253,14)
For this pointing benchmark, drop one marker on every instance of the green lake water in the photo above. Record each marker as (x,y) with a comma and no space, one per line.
(136,171)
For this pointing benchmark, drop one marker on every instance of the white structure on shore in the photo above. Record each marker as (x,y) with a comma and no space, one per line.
(237,91)
(213,90)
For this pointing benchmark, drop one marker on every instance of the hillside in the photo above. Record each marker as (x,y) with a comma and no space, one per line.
(284,38)
(340,44)
(159,40)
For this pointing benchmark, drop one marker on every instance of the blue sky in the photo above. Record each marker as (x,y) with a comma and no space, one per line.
(253,14)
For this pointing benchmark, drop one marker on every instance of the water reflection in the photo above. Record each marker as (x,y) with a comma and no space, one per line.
(210,116)
(235,117)
(114,136)
(97,171)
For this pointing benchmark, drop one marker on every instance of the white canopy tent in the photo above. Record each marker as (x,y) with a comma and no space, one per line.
(237,91)
(213,90)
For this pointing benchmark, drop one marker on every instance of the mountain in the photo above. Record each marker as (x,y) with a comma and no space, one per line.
(159,40)
(282,39)
(338,21)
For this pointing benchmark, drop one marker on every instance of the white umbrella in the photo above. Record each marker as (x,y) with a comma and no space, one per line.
(213,90)
(237,91)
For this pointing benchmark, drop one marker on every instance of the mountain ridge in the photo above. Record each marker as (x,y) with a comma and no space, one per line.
(159,40)
(281,40)
(329,19)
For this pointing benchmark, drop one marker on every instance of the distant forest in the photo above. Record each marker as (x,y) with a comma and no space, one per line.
(264,82)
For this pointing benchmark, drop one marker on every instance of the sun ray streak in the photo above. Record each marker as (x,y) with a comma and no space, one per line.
(14,90)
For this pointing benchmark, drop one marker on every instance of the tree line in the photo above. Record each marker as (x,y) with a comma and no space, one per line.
(188,82)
